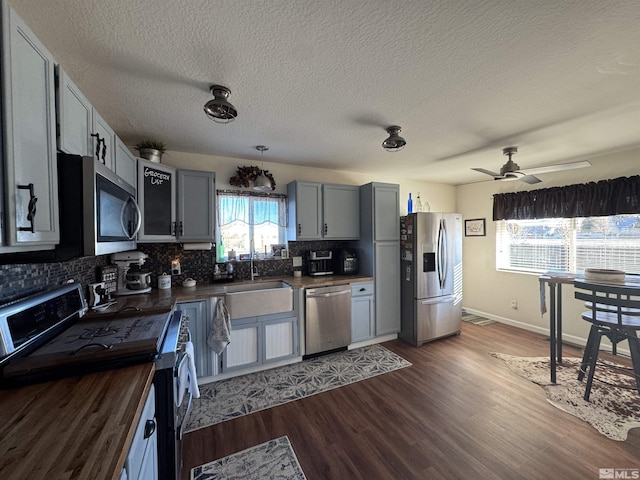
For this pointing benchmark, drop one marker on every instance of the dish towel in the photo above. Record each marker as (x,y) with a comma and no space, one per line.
(220,334)
(193,378)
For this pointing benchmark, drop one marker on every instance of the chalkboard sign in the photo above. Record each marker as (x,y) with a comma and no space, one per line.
(157,201)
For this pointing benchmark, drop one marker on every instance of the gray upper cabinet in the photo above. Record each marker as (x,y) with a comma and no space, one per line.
(323,211)
(104,153)
(305,210)
(157,201)
(196,206)
(29,138)
(125,163)
(341,212)
(75,118)
(177,205)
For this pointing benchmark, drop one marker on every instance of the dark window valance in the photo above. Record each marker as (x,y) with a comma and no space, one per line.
(593,199)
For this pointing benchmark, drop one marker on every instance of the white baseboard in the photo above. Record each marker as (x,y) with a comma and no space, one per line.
(572,339)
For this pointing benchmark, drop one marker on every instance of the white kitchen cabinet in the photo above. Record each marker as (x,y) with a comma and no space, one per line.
(323,211)
(142,459)
(379,248)
(102,132)
(262,339)
(245,348)
(29,139)
(75,117)
(125,162)
(177,205)
(362,311)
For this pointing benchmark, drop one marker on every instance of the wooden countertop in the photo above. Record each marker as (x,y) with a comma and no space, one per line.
(79,427)
(158,301)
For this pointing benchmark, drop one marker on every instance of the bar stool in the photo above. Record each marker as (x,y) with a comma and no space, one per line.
(615,313)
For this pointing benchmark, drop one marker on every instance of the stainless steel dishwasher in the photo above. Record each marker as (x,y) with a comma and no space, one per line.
(328,318)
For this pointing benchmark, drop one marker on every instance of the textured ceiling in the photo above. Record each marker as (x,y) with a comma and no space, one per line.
(319,81)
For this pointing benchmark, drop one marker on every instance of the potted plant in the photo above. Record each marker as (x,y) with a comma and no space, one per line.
(151,149)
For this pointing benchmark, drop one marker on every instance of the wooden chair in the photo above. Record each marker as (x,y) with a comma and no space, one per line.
(614,311)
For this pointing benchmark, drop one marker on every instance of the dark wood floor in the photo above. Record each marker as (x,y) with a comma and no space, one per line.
(457,413)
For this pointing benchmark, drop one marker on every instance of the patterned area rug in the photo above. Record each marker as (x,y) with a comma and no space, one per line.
(611,410)
(273,460)
(226,399)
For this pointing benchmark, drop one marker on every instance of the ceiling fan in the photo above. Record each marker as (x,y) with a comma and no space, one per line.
(511,170)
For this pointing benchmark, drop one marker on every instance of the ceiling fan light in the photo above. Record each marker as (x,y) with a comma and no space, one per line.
(394,143)
(219,109)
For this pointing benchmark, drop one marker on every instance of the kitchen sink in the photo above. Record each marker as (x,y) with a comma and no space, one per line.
(258,298)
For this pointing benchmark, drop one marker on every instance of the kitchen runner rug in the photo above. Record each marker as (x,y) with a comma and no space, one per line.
(477,319)
(611,410)
(237,396)
(271,460)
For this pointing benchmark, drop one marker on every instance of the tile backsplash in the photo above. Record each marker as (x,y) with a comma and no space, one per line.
(20,280)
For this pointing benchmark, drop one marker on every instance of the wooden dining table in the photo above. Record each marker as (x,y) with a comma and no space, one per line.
(555,280)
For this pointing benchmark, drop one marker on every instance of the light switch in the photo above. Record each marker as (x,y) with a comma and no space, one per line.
(297,261)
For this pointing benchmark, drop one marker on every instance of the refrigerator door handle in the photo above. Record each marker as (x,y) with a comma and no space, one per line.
(442,254)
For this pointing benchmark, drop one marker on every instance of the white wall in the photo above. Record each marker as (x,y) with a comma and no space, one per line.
(489,291)
(441,197)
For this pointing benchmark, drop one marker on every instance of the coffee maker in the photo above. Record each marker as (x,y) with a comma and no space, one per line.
(320,262)
(131,280)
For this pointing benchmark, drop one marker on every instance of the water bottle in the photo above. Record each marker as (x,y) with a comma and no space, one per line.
(418,204)
(409,204)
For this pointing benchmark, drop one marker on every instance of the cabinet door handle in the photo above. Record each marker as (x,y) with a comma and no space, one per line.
(299,229)
(98,142)
(181,229)
(31,208)
(325,228)
(363,289)
(104,151)
(149,428)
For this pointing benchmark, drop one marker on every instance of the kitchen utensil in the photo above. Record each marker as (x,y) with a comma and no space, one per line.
(138,280)
(189,282)
(164,281)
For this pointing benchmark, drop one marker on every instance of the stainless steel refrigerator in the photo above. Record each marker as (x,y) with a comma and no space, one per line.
(431,276)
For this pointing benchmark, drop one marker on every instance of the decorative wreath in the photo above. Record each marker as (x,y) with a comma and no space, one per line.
(245,176)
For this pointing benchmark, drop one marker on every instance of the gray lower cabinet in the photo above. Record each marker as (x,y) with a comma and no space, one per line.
(362,312)
(262,339)
(142,459)
(200,315)
(29,167)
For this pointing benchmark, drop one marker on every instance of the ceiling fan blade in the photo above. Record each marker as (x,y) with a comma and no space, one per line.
(530,179)
(488,172)
(556,168)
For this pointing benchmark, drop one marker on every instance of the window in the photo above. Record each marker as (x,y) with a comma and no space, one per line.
(251,216)
(569,244)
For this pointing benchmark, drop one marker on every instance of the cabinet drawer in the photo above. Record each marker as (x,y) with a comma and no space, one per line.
(361,289)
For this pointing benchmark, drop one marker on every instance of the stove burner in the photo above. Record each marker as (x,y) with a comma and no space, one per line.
(90,333)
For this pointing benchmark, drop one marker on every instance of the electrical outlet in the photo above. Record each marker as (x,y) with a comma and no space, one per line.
(297,261)
(514,304)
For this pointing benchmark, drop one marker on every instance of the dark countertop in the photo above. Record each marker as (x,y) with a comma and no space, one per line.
(158,301)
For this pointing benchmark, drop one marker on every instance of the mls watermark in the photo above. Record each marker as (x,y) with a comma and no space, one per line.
(622,473)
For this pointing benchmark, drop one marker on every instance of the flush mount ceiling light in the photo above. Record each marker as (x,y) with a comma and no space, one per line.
(395,142)
(219,109)
(262,183)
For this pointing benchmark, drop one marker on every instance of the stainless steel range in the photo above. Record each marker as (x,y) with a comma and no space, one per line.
(47,336)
